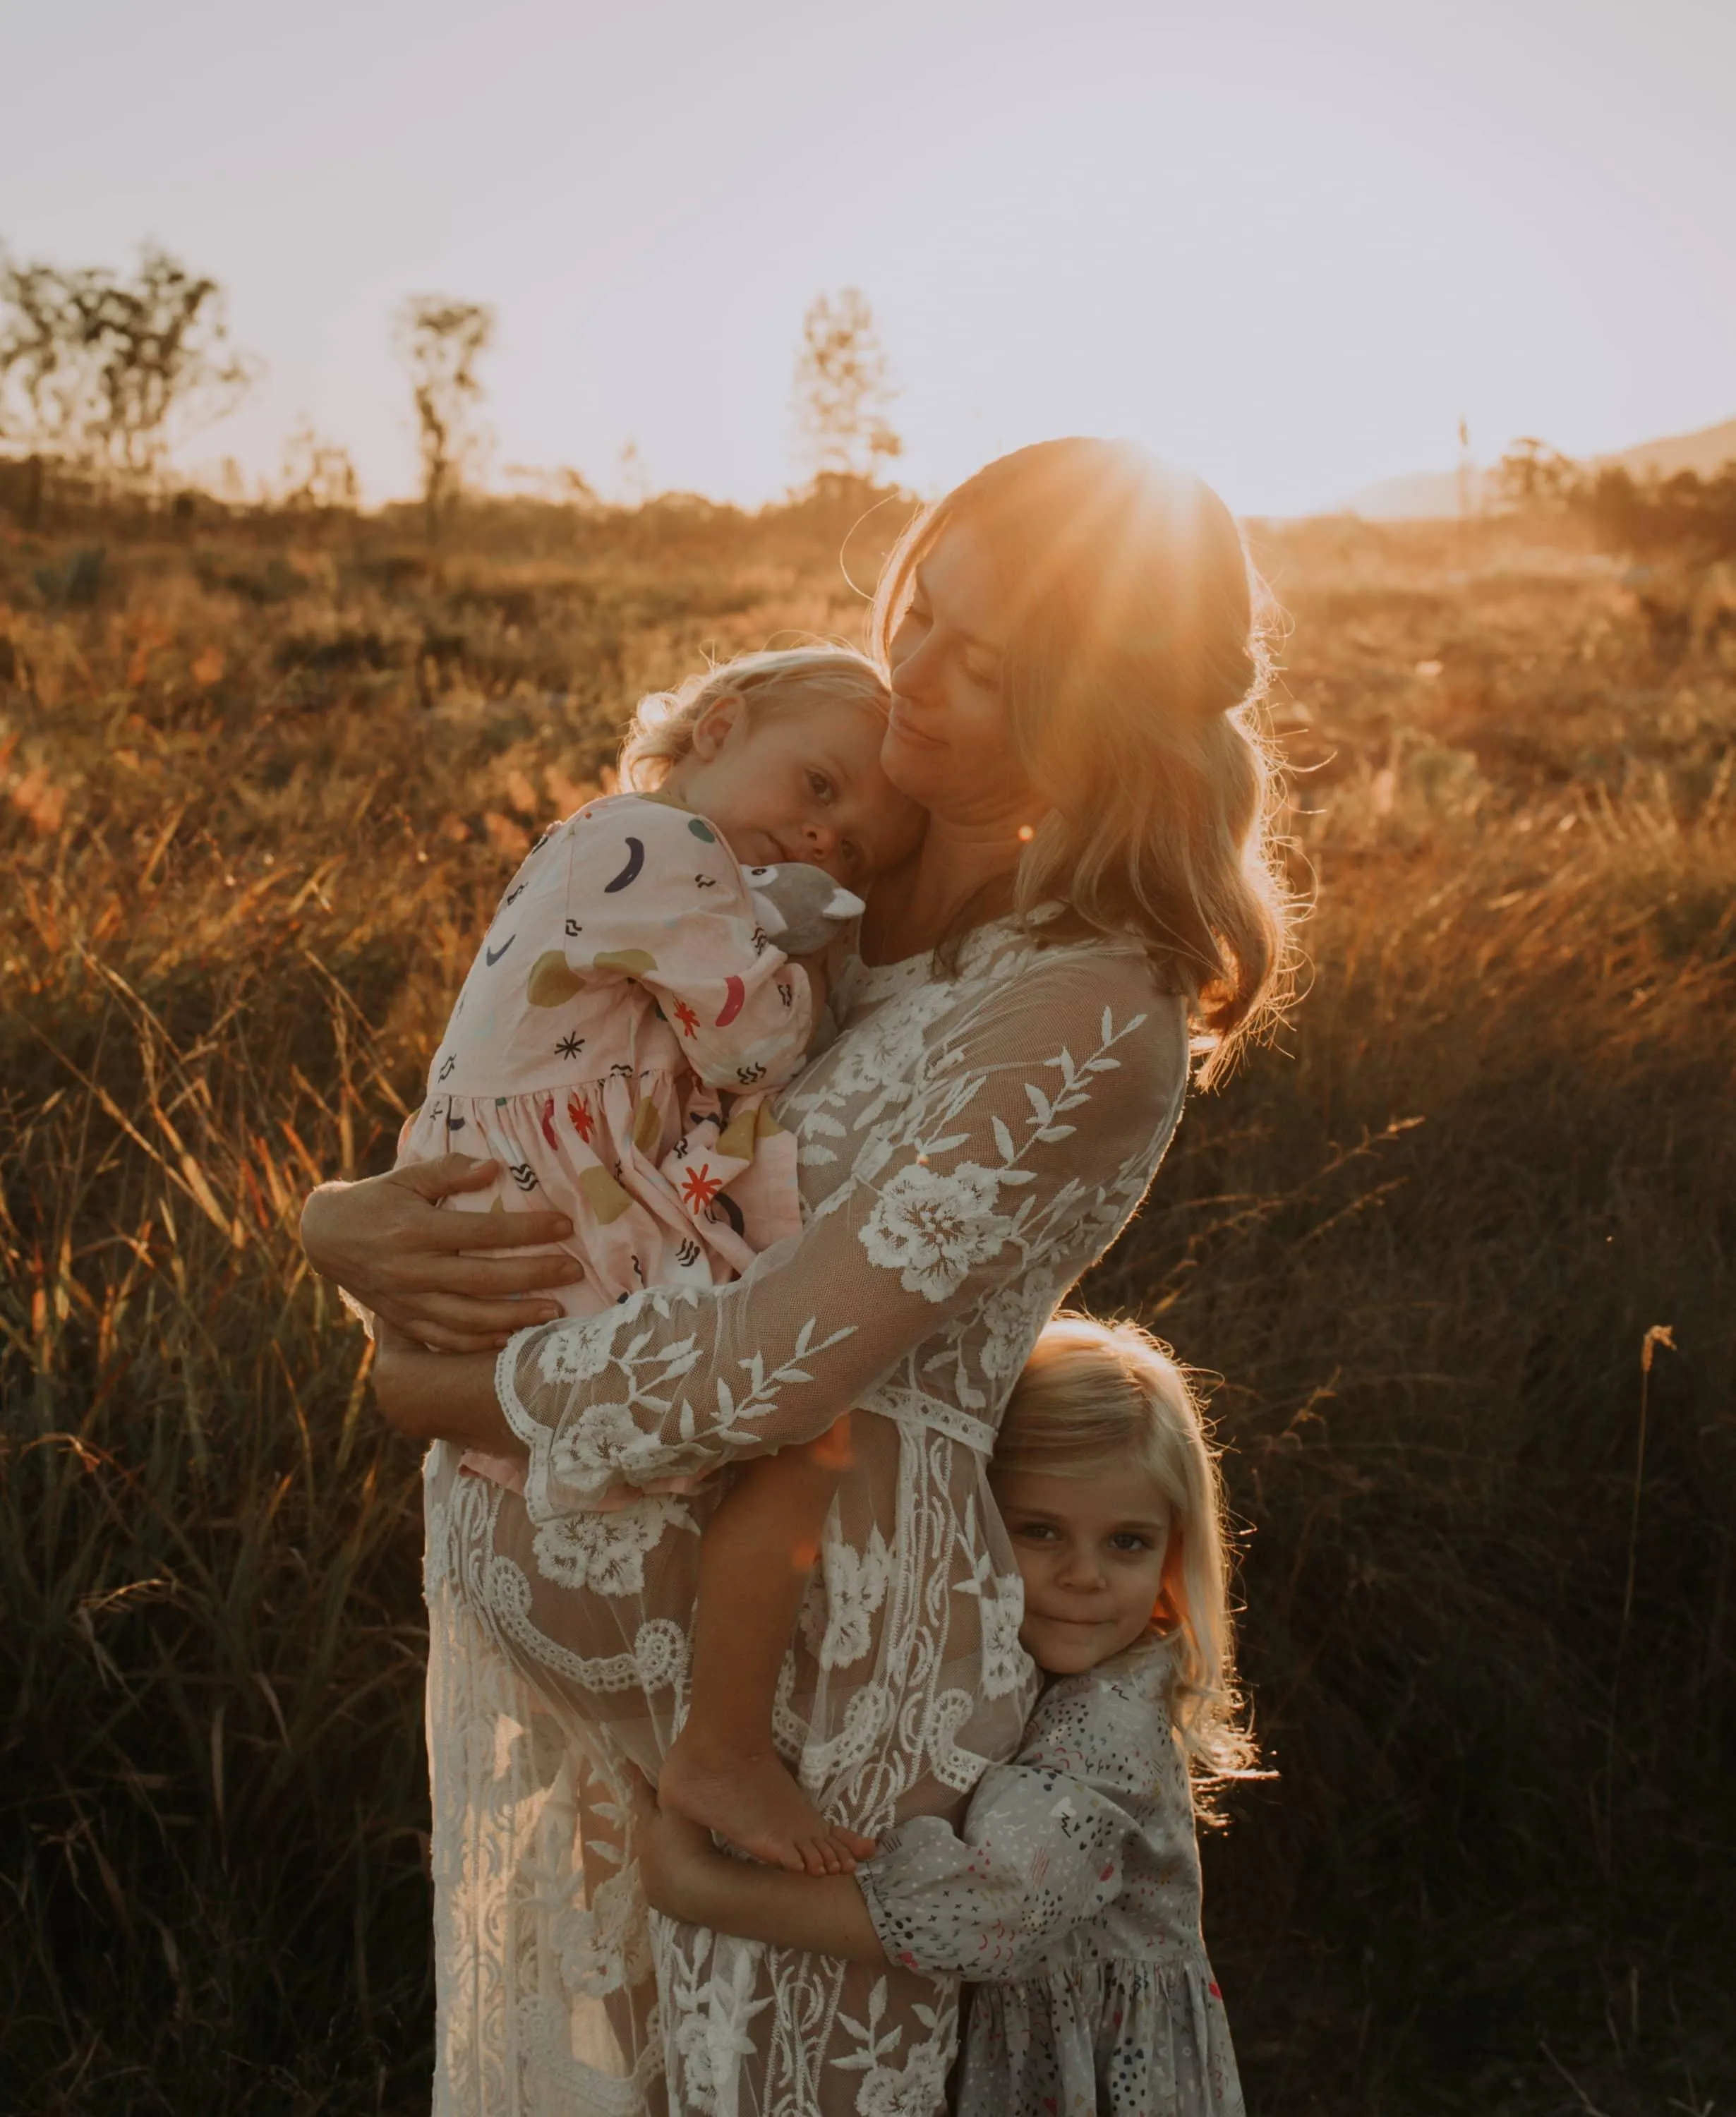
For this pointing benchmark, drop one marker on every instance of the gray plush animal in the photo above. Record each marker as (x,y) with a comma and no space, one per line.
(802,908)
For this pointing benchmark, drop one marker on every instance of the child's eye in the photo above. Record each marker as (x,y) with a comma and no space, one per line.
(820,787)
(852,856)
(1036,1531)
(1129,1540)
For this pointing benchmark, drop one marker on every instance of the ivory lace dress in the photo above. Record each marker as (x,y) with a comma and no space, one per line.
(970,1144)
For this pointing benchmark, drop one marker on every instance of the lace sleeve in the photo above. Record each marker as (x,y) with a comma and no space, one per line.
(1036,1119)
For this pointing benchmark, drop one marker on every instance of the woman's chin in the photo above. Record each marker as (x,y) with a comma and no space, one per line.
(916,766)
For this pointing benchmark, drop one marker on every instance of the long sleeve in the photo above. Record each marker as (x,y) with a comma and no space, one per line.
(1004,1149)
(653,895)
(1046,1847)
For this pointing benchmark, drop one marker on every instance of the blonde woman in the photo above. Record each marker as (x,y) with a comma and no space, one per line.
(1075,672)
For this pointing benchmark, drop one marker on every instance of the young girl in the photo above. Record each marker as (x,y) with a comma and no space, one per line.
(1071,1898)
(611,1055)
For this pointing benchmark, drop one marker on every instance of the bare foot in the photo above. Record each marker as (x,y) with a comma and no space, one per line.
(749,1797)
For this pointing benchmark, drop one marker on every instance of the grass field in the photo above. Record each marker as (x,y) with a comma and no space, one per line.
(261,782)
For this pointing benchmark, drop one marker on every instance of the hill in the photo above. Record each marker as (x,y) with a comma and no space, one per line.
(1705,452)
(1434,495)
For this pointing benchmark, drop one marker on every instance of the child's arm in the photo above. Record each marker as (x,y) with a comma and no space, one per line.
(685,1877)
(1042,1851)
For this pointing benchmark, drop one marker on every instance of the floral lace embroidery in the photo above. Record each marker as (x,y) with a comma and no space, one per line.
(966,1148)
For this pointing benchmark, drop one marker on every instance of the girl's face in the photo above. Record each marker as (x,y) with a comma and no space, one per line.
(798,785)
(1090,1547)
(949,740)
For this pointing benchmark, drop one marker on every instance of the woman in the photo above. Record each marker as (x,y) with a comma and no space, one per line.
(1070,640)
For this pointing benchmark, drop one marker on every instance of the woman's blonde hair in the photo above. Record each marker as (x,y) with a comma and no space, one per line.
(790,679)
(1092,1393)
(1133,668)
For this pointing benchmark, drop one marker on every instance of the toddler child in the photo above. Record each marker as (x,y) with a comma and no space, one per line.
(1071,1895)
(612,1052)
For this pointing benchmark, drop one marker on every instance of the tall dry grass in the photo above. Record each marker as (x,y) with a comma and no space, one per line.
(260,784)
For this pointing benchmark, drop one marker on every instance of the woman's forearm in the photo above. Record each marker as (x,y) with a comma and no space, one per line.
(823,1914)
(441,1397)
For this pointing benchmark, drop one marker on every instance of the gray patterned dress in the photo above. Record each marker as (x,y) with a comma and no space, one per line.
(1072,1900)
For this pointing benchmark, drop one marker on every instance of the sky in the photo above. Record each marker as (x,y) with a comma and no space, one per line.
(1288,243)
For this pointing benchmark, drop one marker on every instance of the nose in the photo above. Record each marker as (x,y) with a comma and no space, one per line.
(818,841)
(913,670)
(1081,1571)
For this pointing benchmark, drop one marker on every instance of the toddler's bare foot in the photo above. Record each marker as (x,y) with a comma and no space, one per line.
(748,1796)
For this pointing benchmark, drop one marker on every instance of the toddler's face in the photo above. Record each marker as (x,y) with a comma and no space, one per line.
(1090,1548)
(804,786)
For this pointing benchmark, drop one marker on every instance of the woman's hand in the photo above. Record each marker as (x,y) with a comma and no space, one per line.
(387,1242)
(680,1868)
(685,1876)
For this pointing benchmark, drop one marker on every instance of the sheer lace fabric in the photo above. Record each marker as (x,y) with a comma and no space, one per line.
(967,1147)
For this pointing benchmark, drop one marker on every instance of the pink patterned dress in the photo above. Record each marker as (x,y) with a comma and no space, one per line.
(612,1049)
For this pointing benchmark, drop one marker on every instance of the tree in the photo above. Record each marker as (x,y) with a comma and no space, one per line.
(108,371)
(843,389)
(319,475)
(440,341)
(1532,475)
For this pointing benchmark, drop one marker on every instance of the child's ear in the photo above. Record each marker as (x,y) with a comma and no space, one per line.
(715,725)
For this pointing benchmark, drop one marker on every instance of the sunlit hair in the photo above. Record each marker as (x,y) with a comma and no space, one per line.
(792,679)
(1098,1395)
(1133,670)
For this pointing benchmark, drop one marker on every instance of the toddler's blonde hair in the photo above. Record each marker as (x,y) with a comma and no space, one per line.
(788,680)
(1094,1392)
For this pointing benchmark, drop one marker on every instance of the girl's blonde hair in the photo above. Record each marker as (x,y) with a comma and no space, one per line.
(1132,669)
(791,680)
(1093,1392)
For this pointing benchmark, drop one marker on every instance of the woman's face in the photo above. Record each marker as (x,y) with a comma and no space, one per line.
(949,740)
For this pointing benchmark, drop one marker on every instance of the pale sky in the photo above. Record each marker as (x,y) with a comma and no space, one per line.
(1287,243)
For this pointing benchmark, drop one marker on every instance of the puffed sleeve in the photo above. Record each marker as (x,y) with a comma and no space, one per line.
(653,895)
(1046,1107)
(1043,1848)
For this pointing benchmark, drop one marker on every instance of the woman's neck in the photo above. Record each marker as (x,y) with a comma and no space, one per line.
(911,908)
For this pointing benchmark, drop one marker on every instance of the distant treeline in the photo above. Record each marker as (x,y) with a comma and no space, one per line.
(103,374)
(1687,514)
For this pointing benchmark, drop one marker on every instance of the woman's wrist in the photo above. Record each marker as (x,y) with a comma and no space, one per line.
(440,1396)
(318,1229)
(686,1877)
